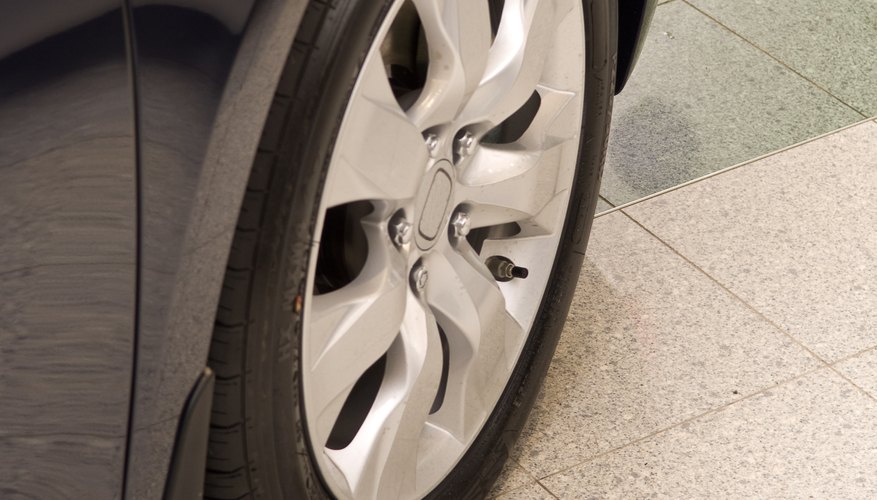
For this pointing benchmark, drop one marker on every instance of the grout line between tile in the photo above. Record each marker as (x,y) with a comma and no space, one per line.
(823,365)
(604,200)
(548,491)
(778,60)
(519,488)
(833,366)
(513,460)
(728,290)
(711,411)
(850,381)
(538,480)
(752,308)
(735,166)
(851,356)
(551,493)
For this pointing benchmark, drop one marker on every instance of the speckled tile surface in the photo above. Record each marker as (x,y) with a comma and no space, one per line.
(702,99)
(813,437)
(533,491)
(685,369)
(650,341)
(793,235)
(511,478)
(831,43)
(862,370)
(602,206)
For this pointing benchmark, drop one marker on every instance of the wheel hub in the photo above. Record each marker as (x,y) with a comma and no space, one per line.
(433,203)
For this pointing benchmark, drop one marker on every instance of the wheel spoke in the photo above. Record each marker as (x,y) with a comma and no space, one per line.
(380,154)
(350,328)
(382,459)
(458,35)
(516,59)
(516,185)
(463,294)
(557,121)
(482,337)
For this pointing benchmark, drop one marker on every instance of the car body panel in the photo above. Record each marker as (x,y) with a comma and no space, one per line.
(68,252)
(206,73)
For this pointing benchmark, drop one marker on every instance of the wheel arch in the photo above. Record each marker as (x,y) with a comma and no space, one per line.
(178,300)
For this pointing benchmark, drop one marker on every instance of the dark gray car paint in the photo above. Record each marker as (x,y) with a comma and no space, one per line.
(207,70)
(68,201)
(67,250)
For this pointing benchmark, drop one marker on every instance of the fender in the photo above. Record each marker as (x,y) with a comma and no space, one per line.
(205,74)
(634,17)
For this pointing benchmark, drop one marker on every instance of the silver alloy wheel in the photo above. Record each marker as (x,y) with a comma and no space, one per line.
(423,315)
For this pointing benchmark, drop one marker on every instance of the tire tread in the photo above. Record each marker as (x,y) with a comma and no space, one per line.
(227,476)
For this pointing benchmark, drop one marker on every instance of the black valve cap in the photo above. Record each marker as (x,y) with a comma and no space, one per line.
(520,272)
(504,269)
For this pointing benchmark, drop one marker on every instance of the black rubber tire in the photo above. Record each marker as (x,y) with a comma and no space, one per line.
(258,442)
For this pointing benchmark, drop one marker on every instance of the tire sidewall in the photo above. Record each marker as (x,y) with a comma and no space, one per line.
(321,91)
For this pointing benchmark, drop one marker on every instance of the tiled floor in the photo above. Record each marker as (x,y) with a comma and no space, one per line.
(721,82)
(723,340)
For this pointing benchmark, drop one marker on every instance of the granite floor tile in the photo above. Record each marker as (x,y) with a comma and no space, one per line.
(533,491)
(702,99)
(602,205)
(813,437)
(650,341)
(832,43)
(862,370)
(512,477)
(793,235)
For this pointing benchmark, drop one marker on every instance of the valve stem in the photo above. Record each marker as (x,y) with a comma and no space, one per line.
(503,269)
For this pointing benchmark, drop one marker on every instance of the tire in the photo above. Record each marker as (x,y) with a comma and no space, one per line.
(260,446)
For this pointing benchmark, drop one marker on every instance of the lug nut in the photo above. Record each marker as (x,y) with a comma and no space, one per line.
(504,269)
(460,224)
(419,277)
(465,144)
(400,230)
